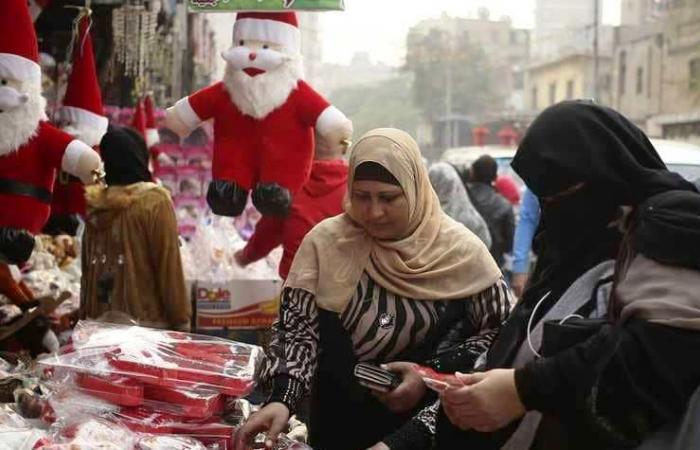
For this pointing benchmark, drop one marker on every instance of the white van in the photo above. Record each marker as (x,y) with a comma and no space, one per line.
(680,157)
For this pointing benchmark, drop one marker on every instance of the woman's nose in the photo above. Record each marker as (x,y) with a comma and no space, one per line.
(375,210)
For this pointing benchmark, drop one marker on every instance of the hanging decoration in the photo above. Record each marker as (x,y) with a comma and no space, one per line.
(134,30)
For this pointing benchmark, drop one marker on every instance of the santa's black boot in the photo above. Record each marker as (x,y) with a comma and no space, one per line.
(271,199)
(226,198)
(16,246)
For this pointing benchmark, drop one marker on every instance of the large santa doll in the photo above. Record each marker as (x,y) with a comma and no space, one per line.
(31,149)
(82,116)
(264,117)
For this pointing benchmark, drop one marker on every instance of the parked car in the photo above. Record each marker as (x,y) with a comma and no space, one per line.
(680,157)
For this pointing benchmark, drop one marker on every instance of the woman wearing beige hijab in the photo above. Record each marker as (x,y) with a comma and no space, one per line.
(393,280)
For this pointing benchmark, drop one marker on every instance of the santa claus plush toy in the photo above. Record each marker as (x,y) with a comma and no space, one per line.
(264,117)
(31,150)
(82,116)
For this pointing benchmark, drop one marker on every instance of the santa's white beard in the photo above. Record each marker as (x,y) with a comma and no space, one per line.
(18,125)
(260,95)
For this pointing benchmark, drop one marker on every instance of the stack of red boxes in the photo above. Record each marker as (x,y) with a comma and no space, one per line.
(160,382)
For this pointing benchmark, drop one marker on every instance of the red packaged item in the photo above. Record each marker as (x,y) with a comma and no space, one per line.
(155,442)
(161,358)
(197,402)
(116,389)
(437,381)
(96,434)
(147,420)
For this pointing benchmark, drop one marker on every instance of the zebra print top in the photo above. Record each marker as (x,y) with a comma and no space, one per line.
(382,326)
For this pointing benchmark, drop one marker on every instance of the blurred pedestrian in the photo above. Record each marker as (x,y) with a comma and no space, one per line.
(455,201)
(493,207)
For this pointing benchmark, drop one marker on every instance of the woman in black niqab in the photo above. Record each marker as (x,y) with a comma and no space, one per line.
(585,162)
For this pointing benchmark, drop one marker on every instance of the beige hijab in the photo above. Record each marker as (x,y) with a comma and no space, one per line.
(437,259)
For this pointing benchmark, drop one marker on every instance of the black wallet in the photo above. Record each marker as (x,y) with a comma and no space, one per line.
(376,378)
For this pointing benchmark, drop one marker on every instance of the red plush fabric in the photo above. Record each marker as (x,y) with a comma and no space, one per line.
(68,198)
(36,164)
(507,188)
(278,148)
(83,89)
(320,198)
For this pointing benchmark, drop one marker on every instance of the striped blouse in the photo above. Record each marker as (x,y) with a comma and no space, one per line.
(382,326)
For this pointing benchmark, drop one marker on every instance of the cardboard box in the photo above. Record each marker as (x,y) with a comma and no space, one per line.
(236,305)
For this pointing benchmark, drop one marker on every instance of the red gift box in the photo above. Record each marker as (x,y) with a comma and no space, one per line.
(116,389)
(197,402)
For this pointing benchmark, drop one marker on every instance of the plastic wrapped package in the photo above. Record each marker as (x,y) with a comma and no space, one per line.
(161,358)
(93,433)
(168,177)
(209,257)
(190,181)
(211,431)
(189,211)
(17,434)
(96,433)
(155,442)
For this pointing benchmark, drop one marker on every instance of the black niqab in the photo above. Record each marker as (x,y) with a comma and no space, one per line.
(569,143)
(579,141)
(125,157)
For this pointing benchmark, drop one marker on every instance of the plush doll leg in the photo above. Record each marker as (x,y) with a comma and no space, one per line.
(271,199)
(284,168)
(226,198)
(16,245)
(233,172)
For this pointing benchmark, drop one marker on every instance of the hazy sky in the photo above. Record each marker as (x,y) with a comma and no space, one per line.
(380,26)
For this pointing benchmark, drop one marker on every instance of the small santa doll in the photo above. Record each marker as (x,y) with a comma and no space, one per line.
(82,116)
(31,149)
(264,117)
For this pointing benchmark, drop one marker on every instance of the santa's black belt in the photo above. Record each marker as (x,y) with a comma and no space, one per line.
(12,187)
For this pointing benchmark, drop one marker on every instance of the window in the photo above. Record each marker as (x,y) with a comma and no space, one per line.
(640,80)
(552,93)
(534,97)
(570,89)
(622,72)
(694,79)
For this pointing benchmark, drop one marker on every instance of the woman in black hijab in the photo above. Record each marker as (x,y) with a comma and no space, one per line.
(608,383)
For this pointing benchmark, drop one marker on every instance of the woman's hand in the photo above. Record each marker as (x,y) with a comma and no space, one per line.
(272,420)
(408,394)
(488,401)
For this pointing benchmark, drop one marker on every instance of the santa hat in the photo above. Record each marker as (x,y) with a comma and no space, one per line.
(37,6)
(82,103)
(19,51)
(279,28)
(152,137)
(138,122)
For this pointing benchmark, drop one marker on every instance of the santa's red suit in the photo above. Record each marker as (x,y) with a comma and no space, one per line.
(31,149)
(27,176)
(263,127)
(277,148)
(82,116)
